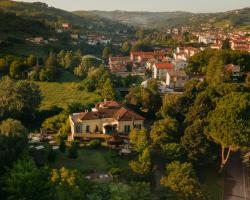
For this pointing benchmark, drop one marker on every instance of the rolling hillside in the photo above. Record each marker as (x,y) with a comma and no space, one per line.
(236,19)
(54,17)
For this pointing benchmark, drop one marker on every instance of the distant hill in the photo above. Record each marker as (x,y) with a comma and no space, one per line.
(145,19)
(52,16)
(239,19)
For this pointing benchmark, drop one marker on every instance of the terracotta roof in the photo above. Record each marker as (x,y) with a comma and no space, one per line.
(232,68)
(108,109)
(164,65)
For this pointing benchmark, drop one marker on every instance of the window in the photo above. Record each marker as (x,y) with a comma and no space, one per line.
(138,126)
(78,128)
(127,128)
(87,129)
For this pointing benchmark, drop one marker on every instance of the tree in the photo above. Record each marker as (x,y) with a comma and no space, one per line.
(68,184)
(31,60)
(16,69)
(215,72)
(86,64)
(125,47)
(181,178)
(30,95)
(143,165)
(229,124)
(247,81)
(18,99)
(139,138)
(13,142)
(3,65)
(173,152)
(196,143)
(25,181)
(73,150)
(107,91)
(164,131)
(11,127)
(106,53)
(62,145)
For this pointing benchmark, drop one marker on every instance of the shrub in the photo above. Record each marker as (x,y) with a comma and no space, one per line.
(62,146)
(73,150)
(51,155)
(115,171)
(95,144)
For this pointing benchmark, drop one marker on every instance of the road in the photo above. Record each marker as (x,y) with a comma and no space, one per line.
(235,180)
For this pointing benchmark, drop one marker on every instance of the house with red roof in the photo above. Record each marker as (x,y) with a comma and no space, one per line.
(145,56)
(106,118)
(119,64)
(160,70)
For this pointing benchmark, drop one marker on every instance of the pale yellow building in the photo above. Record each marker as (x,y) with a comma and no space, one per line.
(107,118)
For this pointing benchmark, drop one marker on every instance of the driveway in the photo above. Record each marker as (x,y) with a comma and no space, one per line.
(235,180)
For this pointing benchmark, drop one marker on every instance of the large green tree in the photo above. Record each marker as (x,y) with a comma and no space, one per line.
(164,131)
(26,181)
(229,124)
(181,178)
(18,99)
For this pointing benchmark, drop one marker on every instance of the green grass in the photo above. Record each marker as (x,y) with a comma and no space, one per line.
(91,161)
(62,94)
(211,182)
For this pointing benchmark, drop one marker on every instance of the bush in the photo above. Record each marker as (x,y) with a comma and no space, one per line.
(62,146)
(95,144)
(115,171)
(73,150)
(51,155)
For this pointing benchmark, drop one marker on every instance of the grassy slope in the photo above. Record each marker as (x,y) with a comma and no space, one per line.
(62,94)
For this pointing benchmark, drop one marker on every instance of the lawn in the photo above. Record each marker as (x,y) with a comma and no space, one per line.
(90,161)
(62,94)
(211,182)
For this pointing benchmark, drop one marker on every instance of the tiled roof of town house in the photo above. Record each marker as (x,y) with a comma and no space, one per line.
(151,53)
(232,67)
(166,65)
(119,59)
(108,109)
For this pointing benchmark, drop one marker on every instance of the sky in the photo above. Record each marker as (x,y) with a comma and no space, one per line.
(149,5)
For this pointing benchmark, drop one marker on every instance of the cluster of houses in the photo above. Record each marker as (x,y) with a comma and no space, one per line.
(170,72)
(238,40)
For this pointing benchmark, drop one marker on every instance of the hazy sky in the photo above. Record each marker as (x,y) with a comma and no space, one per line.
(149,5)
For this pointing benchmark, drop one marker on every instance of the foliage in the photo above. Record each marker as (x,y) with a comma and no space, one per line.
(87,62)
(173,152)
(148,98)
(181,178)
(143,165)
(229,123)
(13,142)
(164,131)
(139,138)
(133,191)
(73,150)
(19,99)
(107,91)
(25,181)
